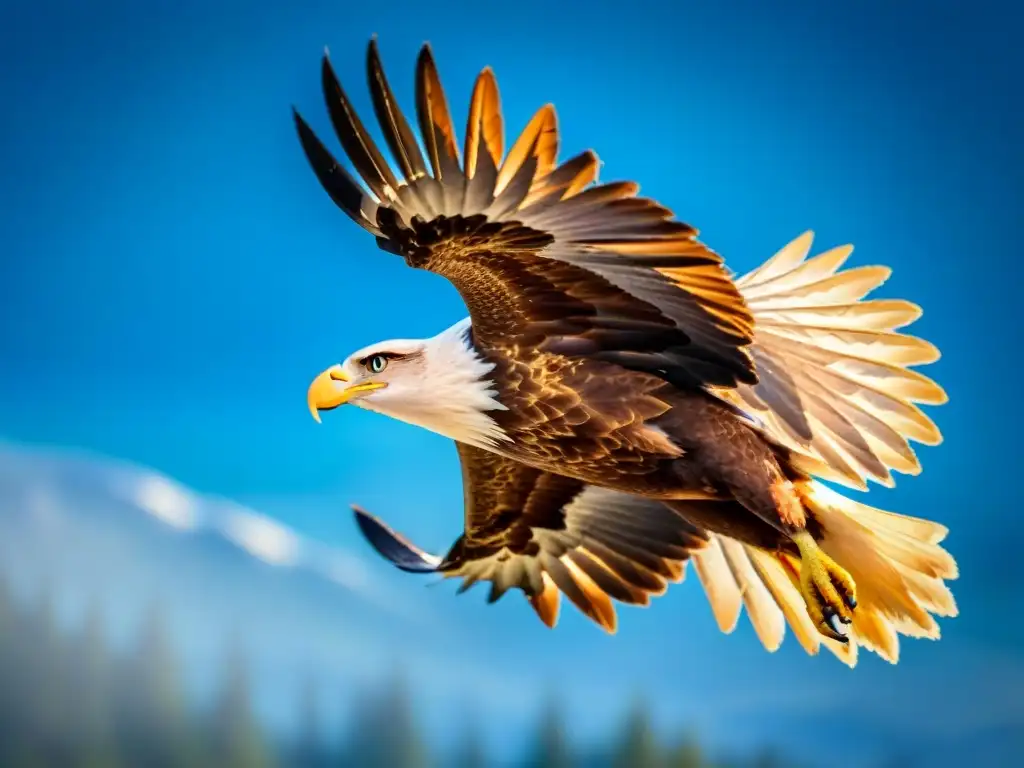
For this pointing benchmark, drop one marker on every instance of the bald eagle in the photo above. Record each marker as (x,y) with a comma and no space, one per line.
(620,403)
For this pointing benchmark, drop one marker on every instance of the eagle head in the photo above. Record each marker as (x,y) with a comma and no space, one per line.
(440,384)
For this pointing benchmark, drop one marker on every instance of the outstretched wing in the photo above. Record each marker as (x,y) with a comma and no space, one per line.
(834,378)
(543,256)
(549,535)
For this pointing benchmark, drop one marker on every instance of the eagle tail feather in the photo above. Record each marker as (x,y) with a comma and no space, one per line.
(727,571)
(895,560)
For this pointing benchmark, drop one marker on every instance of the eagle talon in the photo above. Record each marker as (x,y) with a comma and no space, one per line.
(838,626)
(828,590)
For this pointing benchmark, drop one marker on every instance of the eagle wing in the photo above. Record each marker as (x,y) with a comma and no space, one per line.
(549,535)
(544,257)
(834,379)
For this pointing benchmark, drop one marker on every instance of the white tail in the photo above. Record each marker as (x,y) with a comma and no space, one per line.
(897,563)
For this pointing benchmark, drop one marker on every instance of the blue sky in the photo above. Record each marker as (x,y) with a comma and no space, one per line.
(173,275)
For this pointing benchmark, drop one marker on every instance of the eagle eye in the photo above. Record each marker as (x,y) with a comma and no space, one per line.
(376,363)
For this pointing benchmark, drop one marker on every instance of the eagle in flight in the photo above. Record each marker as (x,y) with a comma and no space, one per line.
(621,404)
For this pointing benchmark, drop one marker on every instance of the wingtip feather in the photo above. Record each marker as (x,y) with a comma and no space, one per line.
(392,546)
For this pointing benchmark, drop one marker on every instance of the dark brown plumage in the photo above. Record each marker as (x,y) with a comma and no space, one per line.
(656,410)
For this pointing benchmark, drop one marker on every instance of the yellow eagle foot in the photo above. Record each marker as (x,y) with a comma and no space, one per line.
(828,590)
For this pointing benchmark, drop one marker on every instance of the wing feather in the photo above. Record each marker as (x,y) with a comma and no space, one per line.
(835,380)
(765,614)
(358,144)
(397,133)
(719,584)
(485,144)
(538,140)
(339,184)
(438,132)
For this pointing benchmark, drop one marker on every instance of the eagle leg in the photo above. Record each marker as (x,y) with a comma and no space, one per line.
(828,590)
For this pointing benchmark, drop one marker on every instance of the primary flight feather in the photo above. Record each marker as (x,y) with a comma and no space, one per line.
(620,403)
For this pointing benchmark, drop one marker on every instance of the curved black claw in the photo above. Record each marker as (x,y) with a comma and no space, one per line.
(394,547)
(838,625)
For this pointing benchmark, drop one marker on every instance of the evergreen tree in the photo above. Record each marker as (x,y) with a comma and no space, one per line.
(41,667)
(385,734)
(552,749)
(355,718)
(471,753)
(687,755)
(238,742)
(93,737)
(30,689)
(10,690)
(310,751)
(154,726)
(639,748)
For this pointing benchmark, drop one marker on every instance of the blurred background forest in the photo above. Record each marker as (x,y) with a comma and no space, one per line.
(70,700)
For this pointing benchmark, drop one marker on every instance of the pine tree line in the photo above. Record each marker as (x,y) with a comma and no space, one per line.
(68,700)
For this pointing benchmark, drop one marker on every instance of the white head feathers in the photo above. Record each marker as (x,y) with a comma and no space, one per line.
(438,383)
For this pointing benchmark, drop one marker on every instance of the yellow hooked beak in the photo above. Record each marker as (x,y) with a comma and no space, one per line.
(333,388)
